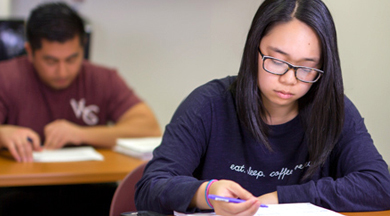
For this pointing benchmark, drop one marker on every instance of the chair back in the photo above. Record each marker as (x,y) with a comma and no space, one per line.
(123,199)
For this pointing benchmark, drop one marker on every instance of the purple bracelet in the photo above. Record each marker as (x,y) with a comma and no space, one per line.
(207,192)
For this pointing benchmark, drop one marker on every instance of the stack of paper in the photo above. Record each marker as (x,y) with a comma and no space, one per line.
(138,147)
(84,153)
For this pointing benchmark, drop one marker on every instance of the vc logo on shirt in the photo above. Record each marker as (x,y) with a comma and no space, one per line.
(86,113)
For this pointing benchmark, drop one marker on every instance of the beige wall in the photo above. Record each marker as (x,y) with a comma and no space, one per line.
(364,44)
(166,48)
(4,8)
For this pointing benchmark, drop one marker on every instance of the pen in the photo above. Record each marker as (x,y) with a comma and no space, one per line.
(32,142)
(229,199)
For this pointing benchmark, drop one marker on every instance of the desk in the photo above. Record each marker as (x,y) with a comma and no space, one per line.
(378,213)
(114,167)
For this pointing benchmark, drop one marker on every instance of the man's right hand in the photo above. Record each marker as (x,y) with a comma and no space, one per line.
(20,141)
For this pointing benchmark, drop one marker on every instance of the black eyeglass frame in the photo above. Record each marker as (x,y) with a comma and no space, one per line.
(290,66)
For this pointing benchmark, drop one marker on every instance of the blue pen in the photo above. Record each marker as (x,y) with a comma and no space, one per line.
(228,199)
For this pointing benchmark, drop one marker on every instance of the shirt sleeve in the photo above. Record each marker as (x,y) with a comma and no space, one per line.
(361,179)
(168,183)
(3,104)
(3,110)
(121,97)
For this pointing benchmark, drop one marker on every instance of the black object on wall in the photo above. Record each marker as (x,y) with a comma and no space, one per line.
(12,39)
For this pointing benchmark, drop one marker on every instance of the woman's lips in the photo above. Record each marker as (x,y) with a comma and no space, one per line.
(284,95)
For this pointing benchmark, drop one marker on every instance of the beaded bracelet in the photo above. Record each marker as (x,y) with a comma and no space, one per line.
(206,193)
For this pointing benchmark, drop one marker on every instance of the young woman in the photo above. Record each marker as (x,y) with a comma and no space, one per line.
(282,131)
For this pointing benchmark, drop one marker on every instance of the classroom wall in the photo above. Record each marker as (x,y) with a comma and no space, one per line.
(363,29)
(4,8)
(166,48)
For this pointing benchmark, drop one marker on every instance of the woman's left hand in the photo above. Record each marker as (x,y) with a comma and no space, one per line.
(269,198)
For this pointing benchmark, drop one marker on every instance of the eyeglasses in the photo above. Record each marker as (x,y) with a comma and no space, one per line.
(279,67)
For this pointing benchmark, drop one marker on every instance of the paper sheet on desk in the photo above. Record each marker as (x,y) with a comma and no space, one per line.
(298,209)
(290,209)
(84,153)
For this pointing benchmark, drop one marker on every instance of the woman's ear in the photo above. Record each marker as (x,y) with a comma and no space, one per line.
(29,51)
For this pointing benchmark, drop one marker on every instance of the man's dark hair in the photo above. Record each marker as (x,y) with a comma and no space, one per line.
(322,108)
(53,22)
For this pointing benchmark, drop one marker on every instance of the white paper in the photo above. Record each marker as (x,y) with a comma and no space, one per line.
(126,151)
(138,147)
(141,145)
(84,153)
(175,213)
(290,209)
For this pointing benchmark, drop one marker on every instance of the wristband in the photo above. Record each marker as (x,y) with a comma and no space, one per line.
(206,193)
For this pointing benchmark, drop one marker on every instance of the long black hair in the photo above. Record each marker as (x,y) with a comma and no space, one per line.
(322,108)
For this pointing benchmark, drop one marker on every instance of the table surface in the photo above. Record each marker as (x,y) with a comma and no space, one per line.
(378,213)
(114,167)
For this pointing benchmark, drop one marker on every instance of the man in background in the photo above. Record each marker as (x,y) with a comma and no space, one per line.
(53,97)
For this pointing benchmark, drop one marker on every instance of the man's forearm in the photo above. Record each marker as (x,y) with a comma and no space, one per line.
(106,136)
(138,121)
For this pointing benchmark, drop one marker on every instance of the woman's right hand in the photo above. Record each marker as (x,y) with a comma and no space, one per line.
(228,188)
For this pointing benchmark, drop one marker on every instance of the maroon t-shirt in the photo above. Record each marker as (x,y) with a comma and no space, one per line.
(97,96)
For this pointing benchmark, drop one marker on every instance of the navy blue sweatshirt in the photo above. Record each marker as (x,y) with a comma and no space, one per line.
(205,140)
